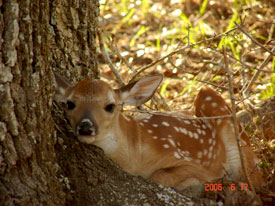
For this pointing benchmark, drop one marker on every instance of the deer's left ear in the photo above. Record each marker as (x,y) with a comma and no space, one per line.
(139,92)
(62,87)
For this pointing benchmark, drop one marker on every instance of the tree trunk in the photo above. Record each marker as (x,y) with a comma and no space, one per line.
(41,163)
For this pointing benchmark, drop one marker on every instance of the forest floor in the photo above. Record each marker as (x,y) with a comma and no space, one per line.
(189,42)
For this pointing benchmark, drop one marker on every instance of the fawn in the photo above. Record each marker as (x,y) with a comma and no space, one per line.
(168,150)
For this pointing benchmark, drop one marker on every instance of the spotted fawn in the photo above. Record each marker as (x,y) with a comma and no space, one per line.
(169,150)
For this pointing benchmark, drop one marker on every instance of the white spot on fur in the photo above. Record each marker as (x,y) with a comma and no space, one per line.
(205,152)
(165,124)
(187,159)
(199,131)
(203,126)
(219,121)
(183,130)
(141,124)
(209,140)
(177,155)
(214,142)
(199,155)
(145,120)
(163,139)
(203,132)
(196,125)
(149,131)
(210,148)
(214,104)
(209,155)
(177,129)
(190,134)
(208,98)
(166,146)
(201,141)
(155,137)
(155,125)
(186,121)
(196,136)
(172,142)
(183,153)
(149,116)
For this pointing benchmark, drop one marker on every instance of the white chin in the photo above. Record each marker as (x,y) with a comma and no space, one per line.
(86,139)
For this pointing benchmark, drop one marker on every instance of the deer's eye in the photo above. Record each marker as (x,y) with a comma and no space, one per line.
(110,108)
(70,105)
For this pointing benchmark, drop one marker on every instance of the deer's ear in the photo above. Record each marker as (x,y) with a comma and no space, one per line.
(62,88)
(139,92)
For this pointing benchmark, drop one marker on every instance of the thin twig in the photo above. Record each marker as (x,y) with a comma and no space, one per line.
(139,70)
(252,39)
(271,32)
(188,34)
(213,84)
(255,76)
(107,58)
(113,45)
(235,122)
(242,62)
(266,22)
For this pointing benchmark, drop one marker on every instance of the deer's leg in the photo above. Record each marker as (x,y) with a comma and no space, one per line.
(183,176)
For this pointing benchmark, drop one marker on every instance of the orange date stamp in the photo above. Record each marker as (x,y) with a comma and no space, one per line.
(218,187)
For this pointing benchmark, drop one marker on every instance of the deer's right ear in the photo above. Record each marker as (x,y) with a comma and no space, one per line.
(139,92)
(62,87)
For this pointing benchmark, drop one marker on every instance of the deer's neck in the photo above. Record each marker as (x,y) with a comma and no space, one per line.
(118,141)
(126,147)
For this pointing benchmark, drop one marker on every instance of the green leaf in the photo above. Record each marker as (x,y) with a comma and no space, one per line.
(203,6)
(215,78)
(163,88)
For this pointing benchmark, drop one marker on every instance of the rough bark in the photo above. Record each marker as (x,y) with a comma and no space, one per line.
(31,45)
(27,153)
(40,161)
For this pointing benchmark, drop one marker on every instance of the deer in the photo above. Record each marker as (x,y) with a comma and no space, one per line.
(166,149)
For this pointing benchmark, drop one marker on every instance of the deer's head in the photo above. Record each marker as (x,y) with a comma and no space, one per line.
(93,106)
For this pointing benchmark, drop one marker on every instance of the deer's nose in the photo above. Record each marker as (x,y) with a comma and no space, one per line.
(87,127)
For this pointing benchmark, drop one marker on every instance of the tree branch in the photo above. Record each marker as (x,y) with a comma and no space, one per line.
(235,122)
